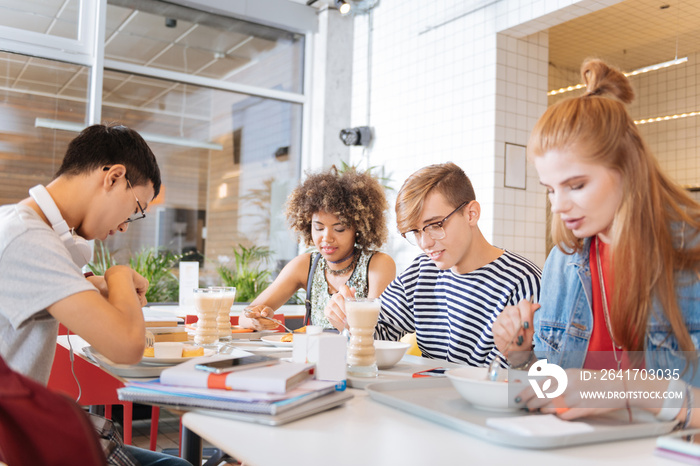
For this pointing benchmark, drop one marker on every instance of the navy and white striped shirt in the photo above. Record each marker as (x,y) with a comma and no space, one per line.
(452,314)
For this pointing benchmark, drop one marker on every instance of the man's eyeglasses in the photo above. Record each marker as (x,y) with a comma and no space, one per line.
(435,230)
(135,216)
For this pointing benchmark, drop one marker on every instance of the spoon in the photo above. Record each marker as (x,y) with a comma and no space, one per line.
(495,366)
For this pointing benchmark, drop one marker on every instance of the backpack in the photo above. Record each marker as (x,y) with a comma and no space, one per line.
(38,426)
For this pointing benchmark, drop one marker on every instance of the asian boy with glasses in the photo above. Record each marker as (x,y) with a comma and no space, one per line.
(452,293)
(98,190)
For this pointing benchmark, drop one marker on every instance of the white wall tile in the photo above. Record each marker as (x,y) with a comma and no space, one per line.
(674,142)
(446,86)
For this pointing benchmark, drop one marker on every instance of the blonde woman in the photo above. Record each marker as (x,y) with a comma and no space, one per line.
(622,281)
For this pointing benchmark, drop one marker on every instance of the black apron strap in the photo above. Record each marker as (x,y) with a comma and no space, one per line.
(309,282)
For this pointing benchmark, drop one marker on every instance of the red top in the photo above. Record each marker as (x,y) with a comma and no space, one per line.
(600,338)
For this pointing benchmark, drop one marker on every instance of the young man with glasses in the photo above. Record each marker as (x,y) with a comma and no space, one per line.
(452,293)
(105,175)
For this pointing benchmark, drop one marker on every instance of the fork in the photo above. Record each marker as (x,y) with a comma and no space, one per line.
(278,323)
(150,339)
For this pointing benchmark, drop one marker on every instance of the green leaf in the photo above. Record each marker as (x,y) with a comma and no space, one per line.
(102,259)
(247,273)
(383,178)
(154,264)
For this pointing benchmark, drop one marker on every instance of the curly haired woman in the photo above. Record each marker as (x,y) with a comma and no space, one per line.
(343,216)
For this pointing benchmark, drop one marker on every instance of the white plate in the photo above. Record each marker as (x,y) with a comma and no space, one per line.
(168,309)
(254,335)
(256,346)
(274,340)
(160,361)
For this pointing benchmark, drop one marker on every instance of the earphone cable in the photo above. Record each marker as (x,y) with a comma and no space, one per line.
(72,366)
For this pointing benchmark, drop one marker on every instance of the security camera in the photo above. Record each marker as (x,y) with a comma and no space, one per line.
(359,136)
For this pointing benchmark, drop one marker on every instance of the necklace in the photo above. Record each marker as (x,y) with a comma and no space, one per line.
(352,254)
(606,311)
(346,269)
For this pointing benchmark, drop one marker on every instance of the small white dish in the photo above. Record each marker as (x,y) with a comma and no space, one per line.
(275,340)
(176,360)
(388,353)
(167,349)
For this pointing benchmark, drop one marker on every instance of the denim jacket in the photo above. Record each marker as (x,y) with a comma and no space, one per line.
(564,323)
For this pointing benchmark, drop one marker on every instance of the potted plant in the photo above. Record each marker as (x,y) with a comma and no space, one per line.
(154,264)
(247,273)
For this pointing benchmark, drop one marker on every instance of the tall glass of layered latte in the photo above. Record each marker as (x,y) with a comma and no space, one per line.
(223,318)
(362,315)
(207,302)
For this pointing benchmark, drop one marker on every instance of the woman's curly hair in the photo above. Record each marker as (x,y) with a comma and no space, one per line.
(356,198)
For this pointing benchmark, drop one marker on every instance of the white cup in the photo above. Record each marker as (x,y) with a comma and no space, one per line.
(167,349)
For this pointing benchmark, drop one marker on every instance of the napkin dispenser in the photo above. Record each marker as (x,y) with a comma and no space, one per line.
(327,351)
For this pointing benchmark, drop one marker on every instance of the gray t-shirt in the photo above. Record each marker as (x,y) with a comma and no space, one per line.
(36,271)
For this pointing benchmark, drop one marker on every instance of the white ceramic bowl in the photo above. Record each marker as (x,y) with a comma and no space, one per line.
(389,352)
(474,386)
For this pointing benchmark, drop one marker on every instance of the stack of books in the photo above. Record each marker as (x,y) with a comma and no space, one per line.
(270,395)
(163,333)
(165,326)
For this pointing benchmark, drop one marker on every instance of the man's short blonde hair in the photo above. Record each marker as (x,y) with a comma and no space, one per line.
(446,178)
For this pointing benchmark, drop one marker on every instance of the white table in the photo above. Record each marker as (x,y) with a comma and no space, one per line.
(364,432)
(388,436)
(289,310)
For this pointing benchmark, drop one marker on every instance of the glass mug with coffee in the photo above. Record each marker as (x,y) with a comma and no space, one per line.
(362,315)
(223,317)
(207,302)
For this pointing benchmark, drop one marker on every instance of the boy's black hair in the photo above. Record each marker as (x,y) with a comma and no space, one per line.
(98,146)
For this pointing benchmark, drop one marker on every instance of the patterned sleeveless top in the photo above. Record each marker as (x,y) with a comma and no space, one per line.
(319,286)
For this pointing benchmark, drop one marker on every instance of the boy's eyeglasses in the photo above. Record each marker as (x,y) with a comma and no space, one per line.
(135,216)
(435,230)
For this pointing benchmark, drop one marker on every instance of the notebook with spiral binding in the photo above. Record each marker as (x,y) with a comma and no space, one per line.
(224,400)
(317,405)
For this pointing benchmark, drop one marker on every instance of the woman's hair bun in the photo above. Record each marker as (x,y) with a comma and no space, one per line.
(601,79)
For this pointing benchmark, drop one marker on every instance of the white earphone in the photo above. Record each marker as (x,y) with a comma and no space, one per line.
(79,247)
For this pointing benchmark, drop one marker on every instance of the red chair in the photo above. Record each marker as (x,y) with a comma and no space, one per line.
(99,387)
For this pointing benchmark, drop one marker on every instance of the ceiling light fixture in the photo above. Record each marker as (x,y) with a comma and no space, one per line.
(150,137)
(342,6)
(666,118)
(354,7)
(646,69)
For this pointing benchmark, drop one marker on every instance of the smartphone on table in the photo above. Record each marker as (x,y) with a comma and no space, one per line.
(435,372)
(236,364)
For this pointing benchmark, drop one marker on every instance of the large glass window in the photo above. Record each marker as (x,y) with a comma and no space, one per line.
(176,38)
(32,89)
(217,98)
(53,17)
(213,198)
(228,159)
